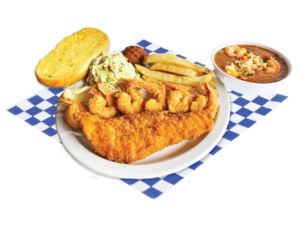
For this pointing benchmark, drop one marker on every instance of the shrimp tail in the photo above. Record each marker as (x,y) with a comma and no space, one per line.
(212,103)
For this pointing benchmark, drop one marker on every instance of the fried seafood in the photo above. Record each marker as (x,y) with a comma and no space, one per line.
(200,100)
(159,92)
(110,97)
(130,101)
(74,108)
(135,54)
(95,90)
(179,99)
(100,106)
(133,137)
(136,135)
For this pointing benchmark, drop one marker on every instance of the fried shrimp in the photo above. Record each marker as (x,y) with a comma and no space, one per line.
(179,100)
(70,116)
(95,90)
(159,92)
(110,97)
(100,106)
(130,102)
(200,100)
(212,104)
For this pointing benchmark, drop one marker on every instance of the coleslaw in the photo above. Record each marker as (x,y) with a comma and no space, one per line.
(110,68)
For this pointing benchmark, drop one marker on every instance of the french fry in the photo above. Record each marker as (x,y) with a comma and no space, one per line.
(208,71)
(173,78)
(173,59)
(174,69)
(213,83)
(188,88)
(150,79)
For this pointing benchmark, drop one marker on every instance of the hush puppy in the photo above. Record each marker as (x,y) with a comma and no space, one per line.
(135,54)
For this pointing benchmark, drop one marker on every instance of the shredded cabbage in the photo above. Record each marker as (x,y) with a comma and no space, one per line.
(110,68)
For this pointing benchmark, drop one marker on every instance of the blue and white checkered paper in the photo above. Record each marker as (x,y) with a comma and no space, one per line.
(39,112)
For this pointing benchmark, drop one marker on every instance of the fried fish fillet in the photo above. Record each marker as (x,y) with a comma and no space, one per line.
(132,137)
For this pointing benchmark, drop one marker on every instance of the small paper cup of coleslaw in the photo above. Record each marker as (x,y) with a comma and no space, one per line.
(259,82)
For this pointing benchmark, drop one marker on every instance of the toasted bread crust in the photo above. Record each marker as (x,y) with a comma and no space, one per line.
(56,69)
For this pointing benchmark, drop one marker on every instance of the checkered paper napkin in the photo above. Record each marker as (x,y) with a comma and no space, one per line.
(39,112)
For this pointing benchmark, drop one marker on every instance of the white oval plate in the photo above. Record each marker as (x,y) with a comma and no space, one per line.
(170,160)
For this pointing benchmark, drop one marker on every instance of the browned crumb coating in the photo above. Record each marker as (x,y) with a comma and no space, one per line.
(135,54)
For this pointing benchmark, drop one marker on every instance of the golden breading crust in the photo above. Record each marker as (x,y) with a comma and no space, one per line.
(135,54)
(70,60)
